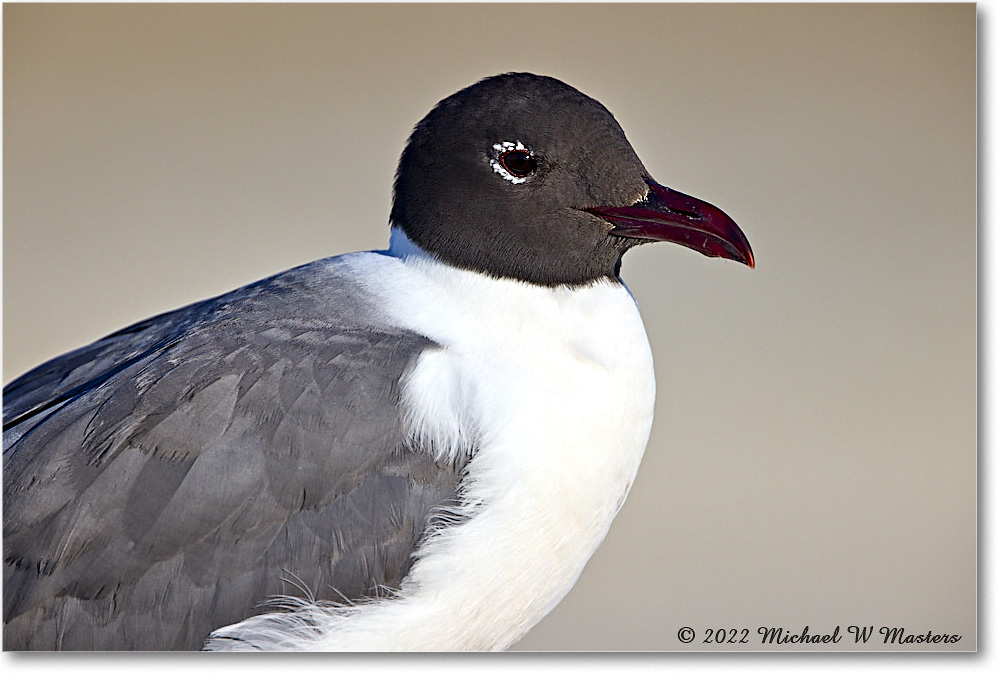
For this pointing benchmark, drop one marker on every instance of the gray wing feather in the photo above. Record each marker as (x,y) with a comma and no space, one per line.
(171,478)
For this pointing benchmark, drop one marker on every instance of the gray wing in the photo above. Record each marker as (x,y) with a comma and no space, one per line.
(170,478)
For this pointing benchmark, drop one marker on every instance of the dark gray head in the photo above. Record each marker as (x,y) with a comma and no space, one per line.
(523,176)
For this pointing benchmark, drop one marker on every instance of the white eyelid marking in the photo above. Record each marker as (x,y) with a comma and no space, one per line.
(507,146)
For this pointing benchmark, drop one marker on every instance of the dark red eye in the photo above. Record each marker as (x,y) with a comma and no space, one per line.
(518,162)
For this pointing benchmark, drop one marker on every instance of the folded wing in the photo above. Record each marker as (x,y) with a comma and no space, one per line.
(173,477)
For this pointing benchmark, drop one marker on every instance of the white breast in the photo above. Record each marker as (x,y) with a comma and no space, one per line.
(553,388)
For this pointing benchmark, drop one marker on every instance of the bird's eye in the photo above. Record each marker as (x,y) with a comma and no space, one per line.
(514,161)
(518,162)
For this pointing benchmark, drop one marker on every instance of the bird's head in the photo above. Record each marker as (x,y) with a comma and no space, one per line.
(523,176)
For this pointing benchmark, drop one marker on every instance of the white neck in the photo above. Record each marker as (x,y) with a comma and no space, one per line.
(401,246)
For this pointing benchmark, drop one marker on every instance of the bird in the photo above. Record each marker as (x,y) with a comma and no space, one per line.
(417,448)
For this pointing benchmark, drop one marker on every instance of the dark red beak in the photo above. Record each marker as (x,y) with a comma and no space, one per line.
(668,215)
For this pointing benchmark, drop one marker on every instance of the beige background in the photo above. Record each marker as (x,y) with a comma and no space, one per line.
(813,458)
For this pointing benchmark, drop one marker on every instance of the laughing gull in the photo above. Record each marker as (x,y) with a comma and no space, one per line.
(410,449)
